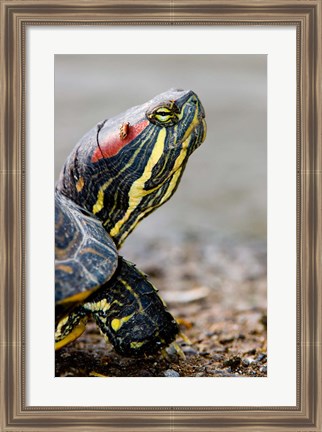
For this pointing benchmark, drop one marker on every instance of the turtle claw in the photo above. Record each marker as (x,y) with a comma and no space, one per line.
(172,349)
(185,338)
(164,354)
(178,350)
(97,374)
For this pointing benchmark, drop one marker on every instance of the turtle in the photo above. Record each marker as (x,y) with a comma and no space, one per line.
(121,170)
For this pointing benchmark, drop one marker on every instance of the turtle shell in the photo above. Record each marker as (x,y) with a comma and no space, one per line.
(85,254)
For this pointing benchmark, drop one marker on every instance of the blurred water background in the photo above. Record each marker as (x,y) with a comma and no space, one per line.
(222,194)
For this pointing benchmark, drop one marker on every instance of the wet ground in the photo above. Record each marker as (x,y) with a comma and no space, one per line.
(215,289)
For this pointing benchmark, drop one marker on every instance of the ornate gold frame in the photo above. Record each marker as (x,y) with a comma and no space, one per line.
(306,15)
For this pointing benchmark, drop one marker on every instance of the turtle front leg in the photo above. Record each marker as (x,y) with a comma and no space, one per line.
(130,313)
(70,327)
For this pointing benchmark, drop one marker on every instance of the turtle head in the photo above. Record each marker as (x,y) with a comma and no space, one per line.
(180,116)
(131,164)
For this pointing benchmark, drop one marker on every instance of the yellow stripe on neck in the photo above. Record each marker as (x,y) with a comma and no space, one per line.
(177,169)
(137,191)
(97,207)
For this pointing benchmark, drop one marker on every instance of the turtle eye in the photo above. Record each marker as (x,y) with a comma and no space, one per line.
(164,115)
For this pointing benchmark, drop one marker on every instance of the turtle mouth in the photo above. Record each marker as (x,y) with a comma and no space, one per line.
(203,126)
(198,130)
(198,135)
(195,137)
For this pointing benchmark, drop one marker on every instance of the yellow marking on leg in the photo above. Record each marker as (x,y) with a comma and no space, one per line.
(74,334)
(137,191)
(117,323)
(104,335)
(116,302)
(101,305)
(60,325)
(129,288)
(136,345)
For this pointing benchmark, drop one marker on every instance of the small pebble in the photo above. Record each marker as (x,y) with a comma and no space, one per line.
(171,373)
(189,351)
(145,373)
(65,355)
(233,362)
(217,357)
(221,373)
(247,361)
(204,353)
(219,349)
(171,350)
(260,357)
(186,296)
(227,339)
(263,369)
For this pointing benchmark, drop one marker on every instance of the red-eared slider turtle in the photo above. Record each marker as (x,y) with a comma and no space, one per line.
(119,172)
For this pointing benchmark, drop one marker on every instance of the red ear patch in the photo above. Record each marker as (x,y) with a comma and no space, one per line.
(114,143)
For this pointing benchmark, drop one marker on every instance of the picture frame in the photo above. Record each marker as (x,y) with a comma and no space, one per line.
(16,16)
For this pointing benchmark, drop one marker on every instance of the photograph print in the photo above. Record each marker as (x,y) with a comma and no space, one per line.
(161,216)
